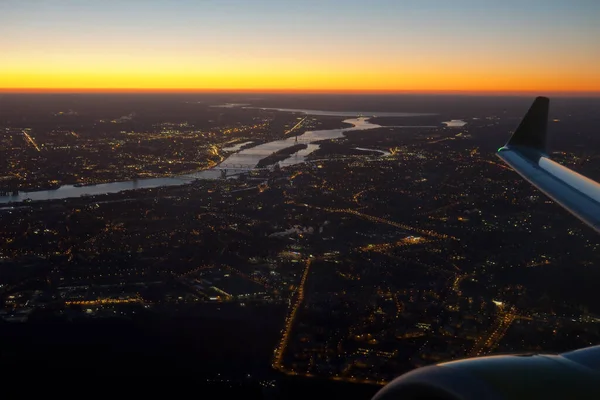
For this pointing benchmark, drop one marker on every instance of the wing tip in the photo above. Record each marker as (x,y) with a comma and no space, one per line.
(531,132)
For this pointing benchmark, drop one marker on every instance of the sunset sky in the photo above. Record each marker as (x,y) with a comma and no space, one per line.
(542,46)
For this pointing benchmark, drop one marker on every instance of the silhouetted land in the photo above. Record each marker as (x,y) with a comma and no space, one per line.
(280,155)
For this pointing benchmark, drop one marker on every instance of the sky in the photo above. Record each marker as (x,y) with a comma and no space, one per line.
(541,46)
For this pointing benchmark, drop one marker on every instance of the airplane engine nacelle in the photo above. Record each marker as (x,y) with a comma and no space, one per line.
(572,375)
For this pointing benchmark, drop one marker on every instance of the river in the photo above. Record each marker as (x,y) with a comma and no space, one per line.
(235,163)
(249,158)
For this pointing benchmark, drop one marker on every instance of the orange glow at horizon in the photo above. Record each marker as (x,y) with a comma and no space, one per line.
(297,80)
(319,73)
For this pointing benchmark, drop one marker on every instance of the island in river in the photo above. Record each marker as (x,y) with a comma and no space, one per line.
(280,155)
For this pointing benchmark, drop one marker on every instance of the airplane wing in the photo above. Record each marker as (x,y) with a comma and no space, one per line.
(526,153)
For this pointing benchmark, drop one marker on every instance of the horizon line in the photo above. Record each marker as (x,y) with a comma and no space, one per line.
(294,91)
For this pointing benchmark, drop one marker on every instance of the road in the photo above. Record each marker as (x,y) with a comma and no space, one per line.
(298,125)
(289,322)
(31,141)
(372,218)
(488,342)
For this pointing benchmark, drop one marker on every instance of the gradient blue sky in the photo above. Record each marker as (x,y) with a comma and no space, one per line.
(375,45)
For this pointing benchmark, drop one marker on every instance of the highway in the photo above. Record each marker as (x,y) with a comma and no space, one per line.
(30,140)
(372,218)
(488,342)
(298,125)
(289,322)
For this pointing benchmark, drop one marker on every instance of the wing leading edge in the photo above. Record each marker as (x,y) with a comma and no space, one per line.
(525,152)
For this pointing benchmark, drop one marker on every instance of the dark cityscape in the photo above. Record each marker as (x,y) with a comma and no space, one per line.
(388,248)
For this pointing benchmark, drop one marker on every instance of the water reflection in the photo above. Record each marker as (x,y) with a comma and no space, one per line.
(455,123)
(383,152)
(345,113)
(67,191)
(249,158)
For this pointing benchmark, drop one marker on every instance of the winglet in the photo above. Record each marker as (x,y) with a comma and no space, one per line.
(531,132)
